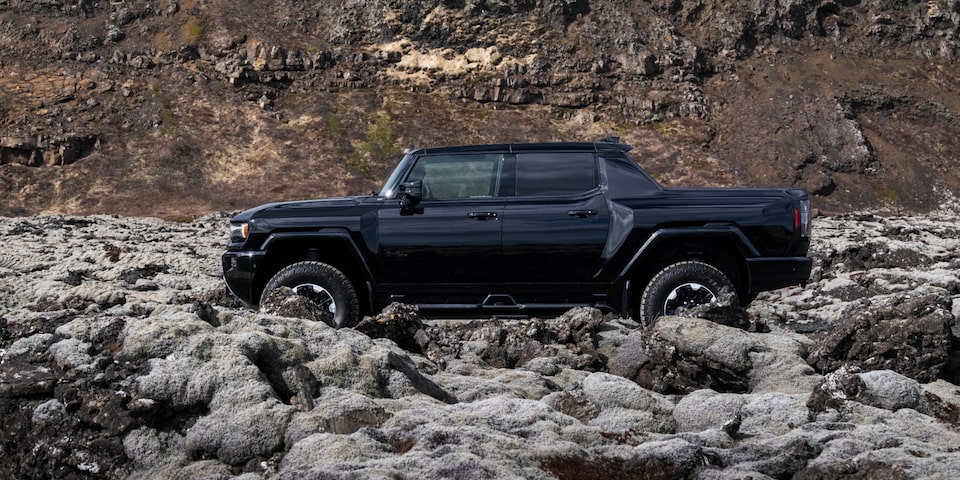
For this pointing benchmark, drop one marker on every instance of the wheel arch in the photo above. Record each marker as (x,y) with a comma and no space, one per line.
(724,247)
(335,248)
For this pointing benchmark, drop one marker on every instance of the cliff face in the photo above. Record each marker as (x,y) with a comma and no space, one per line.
(182,107)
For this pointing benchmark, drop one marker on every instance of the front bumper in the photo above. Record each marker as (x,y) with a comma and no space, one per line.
(766,274)
(239,271)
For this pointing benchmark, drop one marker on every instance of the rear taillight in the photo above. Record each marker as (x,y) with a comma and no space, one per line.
(801,217)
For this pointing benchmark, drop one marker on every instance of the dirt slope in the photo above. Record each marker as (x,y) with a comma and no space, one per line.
(182,107)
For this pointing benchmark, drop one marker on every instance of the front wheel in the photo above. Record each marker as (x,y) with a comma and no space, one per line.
(681,285)
(322,284)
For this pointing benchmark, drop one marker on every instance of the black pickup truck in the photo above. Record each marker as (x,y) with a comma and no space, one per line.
(522,229)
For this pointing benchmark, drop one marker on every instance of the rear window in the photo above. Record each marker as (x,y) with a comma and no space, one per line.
(555,173)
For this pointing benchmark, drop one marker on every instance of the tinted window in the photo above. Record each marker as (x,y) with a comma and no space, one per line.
(458,176)
(555,173)
(625,178)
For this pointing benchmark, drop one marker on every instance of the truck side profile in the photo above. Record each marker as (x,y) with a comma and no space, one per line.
(519,230)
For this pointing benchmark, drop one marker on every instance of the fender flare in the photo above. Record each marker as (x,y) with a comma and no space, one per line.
(744,246)
(340,236)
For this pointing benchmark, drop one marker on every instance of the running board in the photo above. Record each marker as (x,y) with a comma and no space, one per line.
(502,305)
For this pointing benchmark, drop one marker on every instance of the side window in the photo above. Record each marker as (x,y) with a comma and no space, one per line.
(555,173)
(626,178)
(458,176)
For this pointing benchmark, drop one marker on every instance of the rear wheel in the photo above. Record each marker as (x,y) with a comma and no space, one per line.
(322,284)
(681,285)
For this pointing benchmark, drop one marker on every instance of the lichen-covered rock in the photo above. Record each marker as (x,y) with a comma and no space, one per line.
(687,354)
(624,405)
(179,383)
(235,435)
(514,344)
(726,310)
(908,334)
(283,302)
(625,355)
(398,322)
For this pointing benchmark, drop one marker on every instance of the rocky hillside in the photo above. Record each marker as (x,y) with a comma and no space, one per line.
(121,356)
(182,107)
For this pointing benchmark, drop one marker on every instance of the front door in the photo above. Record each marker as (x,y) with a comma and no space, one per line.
(450,251)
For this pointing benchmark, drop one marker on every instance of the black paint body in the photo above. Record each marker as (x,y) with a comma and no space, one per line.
(597,240)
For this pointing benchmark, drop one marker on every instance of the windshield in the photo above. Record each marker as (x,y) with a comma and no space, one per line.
(390,186)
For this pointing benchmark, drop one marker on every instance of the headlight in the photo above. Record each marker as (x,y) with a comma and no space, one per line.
(238,232)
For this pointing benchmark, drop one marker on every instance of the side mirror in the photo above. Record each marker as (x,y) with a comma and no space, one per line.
(410,194)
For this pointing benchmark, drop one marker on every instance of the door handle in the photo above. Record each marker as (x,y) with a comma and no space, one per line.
(582,213)
(481,215)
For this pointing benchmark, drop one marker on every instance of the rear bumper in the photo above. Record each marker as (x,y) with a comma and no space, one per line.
(772,273)
(239,270)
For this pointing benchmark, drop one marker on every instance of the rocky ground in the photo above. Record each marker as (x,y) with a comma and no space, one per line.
(121,356)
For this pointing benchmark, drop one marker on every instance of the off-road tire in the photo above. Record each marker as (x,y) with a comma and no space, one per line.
(333,281)
(689,275)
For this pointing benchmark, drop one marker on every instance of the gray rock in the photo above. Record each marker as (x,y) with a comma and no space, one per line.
(72,353)
(626,406)
(628,356)
(337,411)
(905,333)
(706,409)
(779,364)
(188,385)
(51,411)
(151,450)
(773,414)
(236,435)
(882,443)
(574,403)
(158,336)
(327,452)
(32,345)
(890,391)
(689,353)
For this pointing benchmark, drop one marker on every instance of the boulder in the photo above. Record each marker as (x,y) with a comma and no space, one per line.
(688,354)
(725,311)
(625,406)
(283,302)
(398,322)
(515,343)
(908,334)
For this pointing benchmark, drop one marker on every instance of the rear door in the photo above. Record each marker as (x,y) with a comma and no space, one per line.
(554,228)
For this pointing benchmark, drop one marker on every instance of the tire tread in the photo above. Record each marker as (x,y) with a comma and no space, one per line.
(332,279)
(672,274)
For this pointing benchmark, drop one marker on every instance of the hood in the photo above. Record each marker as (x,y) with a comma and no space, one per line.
(300,208)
